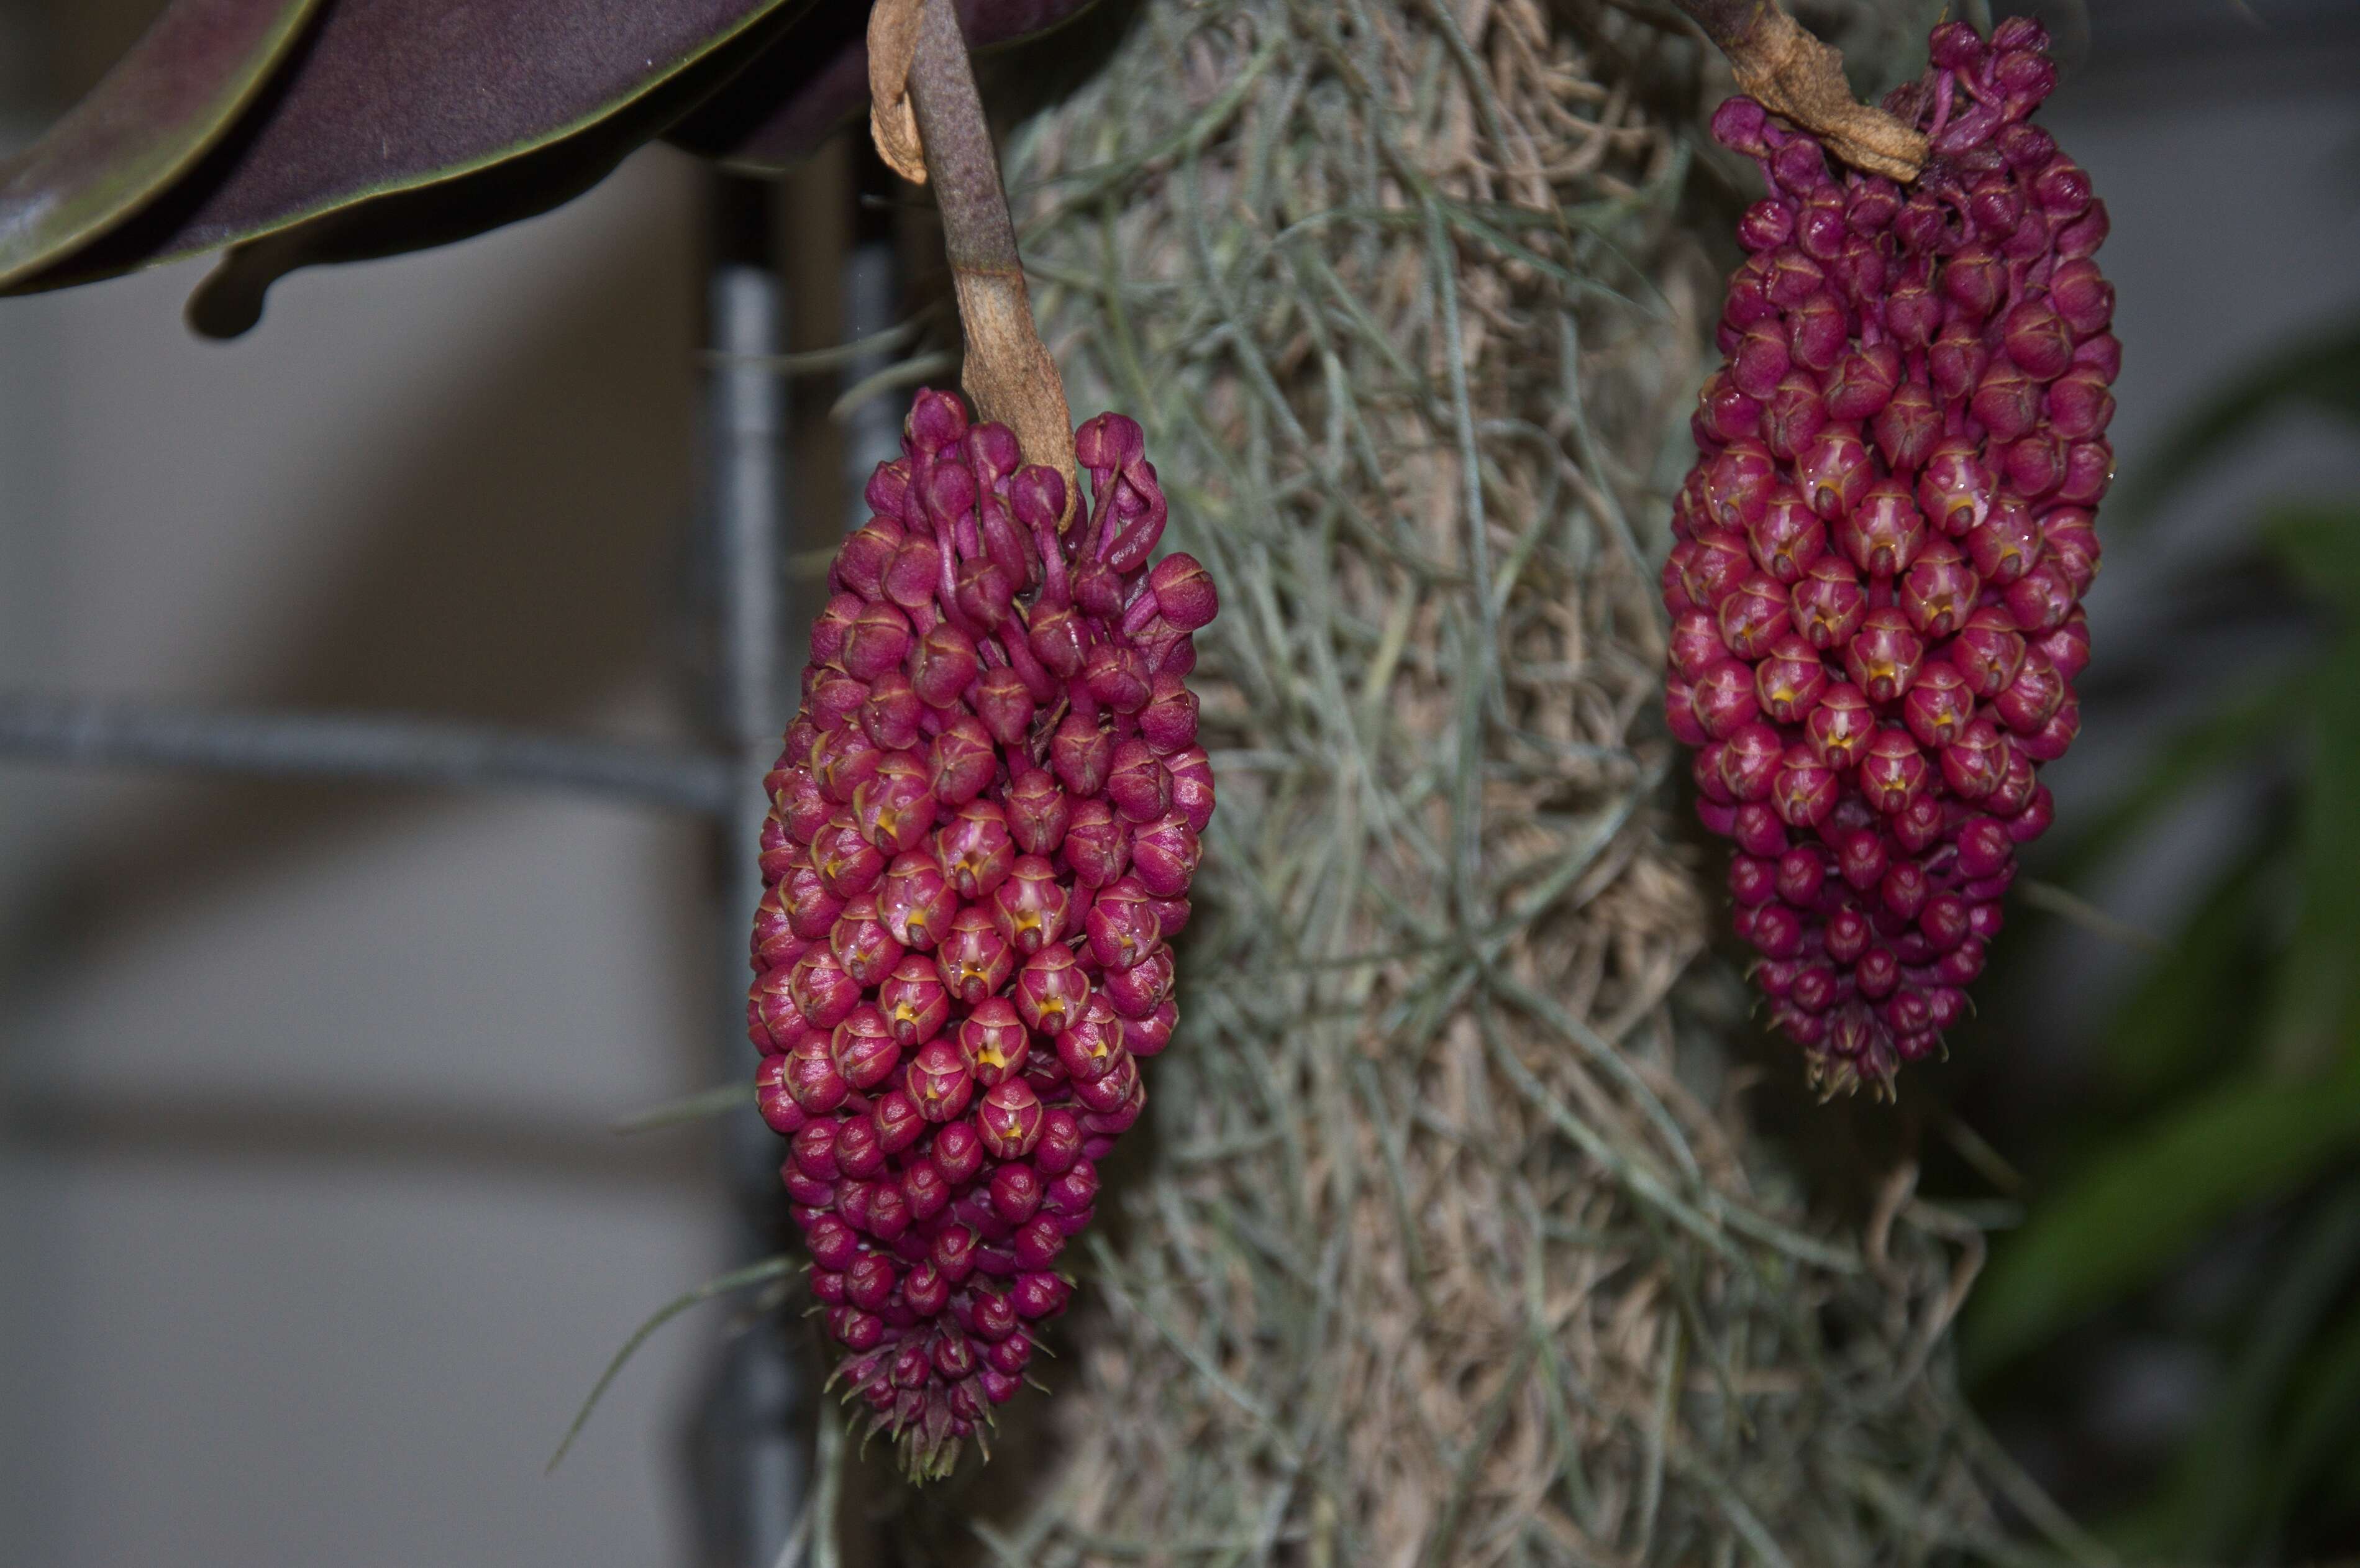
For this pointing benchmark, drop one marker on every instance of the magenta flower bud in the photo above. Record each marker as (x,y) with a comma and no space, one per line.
(1938,706)
(1752,617)
(1862,383)
(992,1043)
(1826,607)
(832,628)
(939,1083)
(1116,675)
(912,576)
(2035,464)
(974,959)
(2015,786)
(1061,1143)
(1787,537)
(1137,992)
(1955,488)
(936,420)
(1988,651)
(2052,739)
(1032,906)
(1803,791)
(1957,360)
(1148,1035)
(1037,812)
(1787,683)
(847,863)
(1765,225)
(894,808)
(1168,723)
(1751,880)
(1092,1047)
(1778,931)
(977,850)
(801,806)
(1008,1118)
(1694,644)
(1738,483)
(1907,427)
(2037,338)
(1758,362)
(864,1049)
(855,1150)
(1883,534)
(2080,406)
(1913,312)
(2039,600)
(1725,411)
(1137,782)
(959,1151)
(2068,647)
(1882,658)
(823,993)
(1057,638)
(813,1082)
(1105,1098)
(1097,844)
(1122,924)
(878,640)
(1081,754)
(1815,330)
(2083,297)
(774,1099)
(961,762)
(1974,763)
(1792,277)
(1050,990)
(1893,772)
(1723,698)
(1016,1193)
(775,944)
(890,716)
(1163,855)
(915,1002)
(1876,974)
(862,943)
(915,899)
(1918,824)
(944,665)
(1801,874)
(2089,471)
(1184,590)
(1839,729)
(2004,546)
(1002,705)
(1711,565)
(1939,592)
(860,564)
(1975,280)
(1834,471)
(1749,759)
(843,761)
(1795,412)
(1904,889)
(896,1117)
(1038,1242)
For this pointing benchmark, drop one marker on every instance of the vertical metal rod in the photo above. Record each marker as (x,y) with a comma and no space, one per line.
(751,1462)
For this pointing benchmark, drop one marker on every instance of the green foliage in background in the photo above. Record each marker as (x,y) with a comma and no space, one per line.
(2232,1064)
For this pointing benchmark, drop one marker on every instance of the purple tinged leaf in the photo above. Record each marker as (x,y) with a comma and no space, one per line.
(180,87)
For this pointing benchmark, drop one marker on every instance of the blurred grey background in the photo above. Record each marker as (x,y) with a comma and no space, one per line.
(312,1234)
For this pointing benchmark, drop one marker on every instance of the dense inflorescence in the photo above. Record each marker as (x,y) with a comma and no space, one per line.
(983,830)
(1882,545)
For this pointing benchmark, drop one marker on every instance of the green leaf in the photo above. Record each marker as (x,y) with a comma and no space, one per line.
(2319,543)
(2314,1005)
(2139,1204)
(2220,1483)
(2243,730)
(177,91)
(2321,372)
(2179,1021)
(2322,1424)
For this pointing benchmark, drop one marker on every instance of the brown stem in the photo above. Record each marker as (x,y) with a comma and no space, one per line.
(922,92)
(1799,79)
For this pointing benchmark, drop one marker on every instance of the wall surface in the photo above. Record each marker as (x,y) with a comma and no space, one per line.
(314,1235)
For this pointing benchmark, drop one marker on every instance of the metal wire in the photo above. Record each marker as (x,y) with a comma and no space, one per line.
(367,749)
